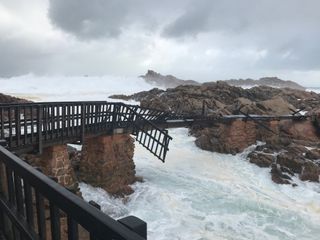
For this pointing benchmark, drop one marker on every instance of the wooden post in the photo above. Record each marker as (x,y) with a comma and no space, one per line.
(39,129)
(83,121)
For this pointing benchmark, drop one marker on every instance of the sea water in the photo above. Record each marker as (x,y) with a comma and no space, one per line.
(203,195)
(196,194)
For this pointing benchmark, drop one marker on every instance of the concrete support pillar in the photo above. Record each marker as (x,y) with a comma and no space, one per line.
(107,162)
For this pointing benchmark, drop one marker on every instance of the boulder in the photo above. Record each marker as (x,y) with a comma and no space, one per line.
(313,154)
(291,161)
(310,172)
(277,176)
(261,159)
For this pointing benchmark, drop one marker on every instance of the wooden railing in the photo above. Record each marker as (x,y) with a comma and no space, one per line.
(33,206)
(32,126)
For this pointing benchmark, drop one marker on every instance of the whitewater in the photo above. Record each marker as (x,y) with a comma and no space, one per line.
(196,194)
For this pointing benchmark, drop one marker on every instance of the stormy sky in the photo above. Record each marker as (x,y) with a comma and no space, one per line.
(193,39)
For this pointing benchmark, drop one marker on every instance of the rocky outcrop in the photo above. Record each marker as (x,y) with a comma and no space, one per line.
(224,99)
(266,81)
(107,162)
(232,137)
(10,99)
(285,145)
(261,159)
(168,81)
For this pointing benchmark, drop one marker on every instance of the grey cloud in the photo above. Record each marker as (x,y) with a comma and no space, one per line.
(288,30)
(108,18)
(22,57)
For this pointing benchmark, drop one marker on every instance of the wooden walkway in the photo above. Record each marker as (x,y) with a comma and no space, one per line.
(33,126)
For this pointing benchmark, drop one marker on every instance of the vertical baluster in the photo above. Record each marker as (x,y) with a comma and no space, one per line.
(154,132)
(83,122)
(73,233)
(57,117)
(2,123)
(28,204)
(32,124)
(67,111)
(55,222)
(17,125)
(19,195)
(25,126)
(150,138)
(41,220)
(71,111)
(52,121)
(10,186)
(92,237)
(39,128)
(157,142)
(45,122)
(63,120)
(10,126)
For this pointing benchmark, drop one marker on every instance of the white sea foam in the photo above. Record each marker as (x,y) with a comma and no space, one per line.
(316,90)
(71,88)
(203,195)
(195,194)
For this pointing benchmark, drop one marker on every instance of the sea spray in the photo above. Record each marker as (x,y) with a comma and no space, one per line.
(203,195)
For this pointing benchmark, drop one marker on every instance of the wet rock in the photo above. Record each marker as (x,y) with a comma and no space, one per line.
(313,154)
(291,161)
(286,170)
(277,176)
(310,172)
(261,159)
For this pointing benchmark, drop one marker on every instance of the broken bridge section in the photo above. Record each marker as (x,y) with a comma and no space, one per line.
(34,126)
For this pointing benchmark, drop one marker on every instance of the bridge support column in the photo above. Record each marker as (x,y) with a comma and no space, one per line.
(54,161)
(107,162)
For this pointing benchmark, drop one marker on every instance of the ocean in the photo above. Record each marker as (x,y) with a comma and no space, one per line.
(195,194)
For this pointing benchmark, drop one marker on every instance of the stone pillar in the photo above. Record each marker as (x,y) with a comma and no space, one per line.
(55,162)
(107,162)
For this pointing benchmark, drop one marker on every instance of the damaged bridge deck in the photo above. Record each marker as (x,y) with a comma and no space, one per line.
(33,126)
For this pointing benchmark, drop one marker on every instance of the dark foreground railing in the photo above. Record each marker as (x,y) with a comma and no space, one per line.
(33,206)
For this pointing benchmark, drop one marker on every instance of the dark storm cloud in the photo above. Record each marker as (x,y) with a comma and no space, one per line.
(108,18)
(288,30)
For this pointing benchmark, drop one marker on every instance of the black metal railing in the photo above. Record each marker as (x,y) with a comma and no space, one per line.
(32,126)
(32,206)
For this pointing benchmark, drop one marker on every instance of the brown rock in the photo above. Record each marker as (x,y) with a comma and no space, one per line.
(291,161)
(261,159)
(233,137)
(277,176)
(313,154)
(310,172)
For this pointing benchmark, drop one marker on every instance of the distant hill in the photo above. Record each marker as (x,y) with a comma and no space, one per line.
(266,81)
(170,81)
